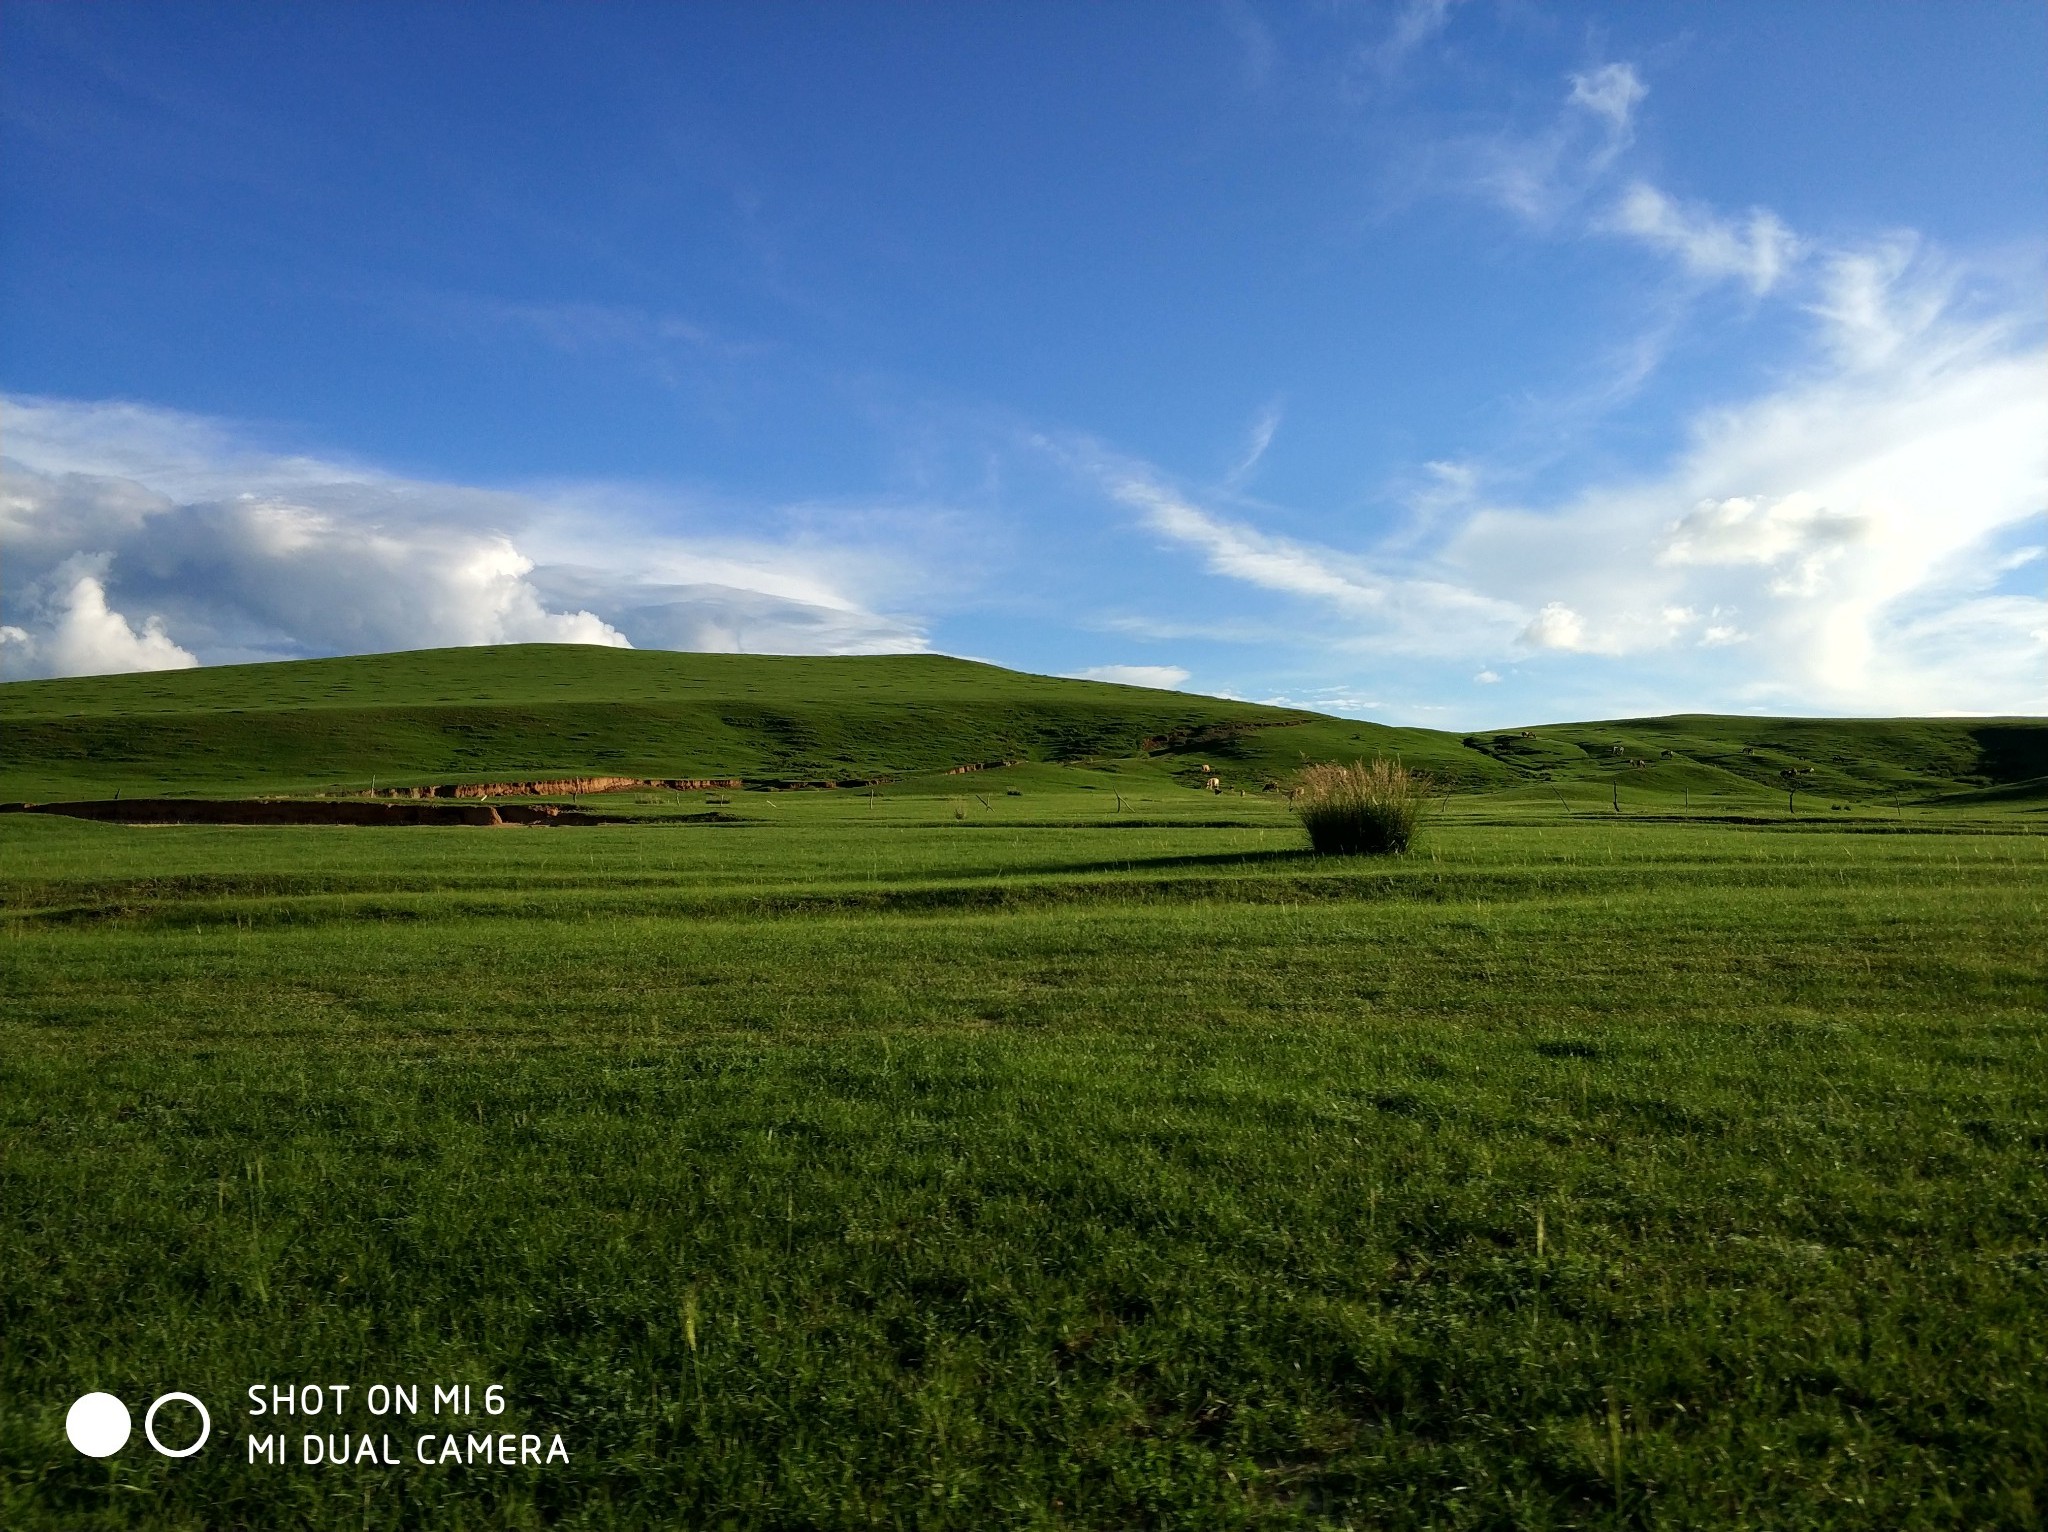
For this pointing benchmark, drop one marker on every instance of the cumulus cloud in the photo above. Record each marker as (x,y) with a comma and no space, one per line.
(327,569)
(1557,626)
(1794,534)
(85,636)
(1159,677)
(1748,529)
(229,553)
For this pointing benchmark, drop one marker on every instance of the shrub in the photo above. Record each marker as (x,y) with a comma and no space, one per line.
(1356,808)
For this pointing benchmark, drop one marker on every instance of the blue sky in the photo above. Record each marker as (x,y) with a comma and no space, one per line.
(1453,363)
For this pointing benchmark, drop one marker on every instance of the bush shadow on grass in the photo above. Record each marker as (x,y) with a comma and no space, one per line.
(1283,856)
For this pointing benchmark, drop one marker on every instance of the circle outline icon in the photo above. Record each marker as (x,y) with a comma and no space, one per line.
(149,1425)
(91,1416)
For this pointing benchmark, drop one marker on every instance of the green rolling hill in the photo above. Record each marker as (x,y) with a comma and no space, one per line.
(546,711)
(1847,758)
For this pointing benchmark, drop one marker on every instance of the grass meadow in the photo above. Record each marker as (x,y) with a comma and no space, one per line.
(969,1158)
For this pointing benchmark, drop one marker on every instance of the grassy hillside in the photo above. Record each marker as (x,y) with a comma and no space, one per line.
(541,710)
(1851,759)
(553,710)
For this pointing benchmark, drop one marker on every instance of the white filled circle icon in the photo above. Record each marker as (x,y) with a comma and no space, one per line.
(98,1425)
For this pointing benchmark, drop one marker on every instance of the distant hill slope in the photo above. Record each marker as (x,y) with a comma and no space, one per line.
(1841,757)
(548,710)
(538,711)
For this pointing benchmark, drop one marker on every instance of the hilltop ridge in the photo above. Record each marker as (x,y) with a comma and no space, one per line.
(561,711)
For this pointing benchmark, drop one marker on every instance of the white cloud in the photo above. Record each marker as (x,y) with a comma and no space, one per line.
(728,619)
(1242,552)
(1265,425)
(1612,91)
(1888,302)
(1794,534)
(1543,175)
(1833,543)
(1159,677)
(1338,701)
(1557,626)
(1446,490)
(1488,678)
(1406,611)
(1839,528)
(1852,516)
(1540,175)
(1417,22)
(85,636)
(1756,251)
(236,554)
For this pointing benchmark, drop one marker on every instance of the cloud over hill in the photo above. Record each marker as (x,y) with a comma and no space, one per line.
(145,539)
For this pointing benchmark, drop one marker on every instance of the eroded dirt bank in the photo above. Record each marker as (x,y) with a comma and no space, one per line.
(203,811)
(561,787)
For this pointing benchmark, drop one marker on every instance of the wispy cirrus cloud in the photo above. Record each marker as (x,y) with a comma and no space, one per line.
(1415,24)
(1408,610)
(1561,174)
(586,326)
(1611,92)
(1820,543)
(1244,553)
(1843,540)
(1542,176)
(1756,250)
(1842,528)
(1264,427)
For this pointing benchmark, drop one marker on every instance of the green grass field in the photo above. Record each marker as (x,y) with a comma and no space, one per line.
(1056,1146)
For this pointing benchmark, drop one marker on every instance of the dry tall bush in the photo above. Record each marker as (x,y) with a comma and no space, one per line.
(1353,808)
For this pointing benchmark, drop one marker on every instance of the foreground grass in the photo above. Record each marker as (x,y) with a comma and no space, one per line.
(835,1172)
